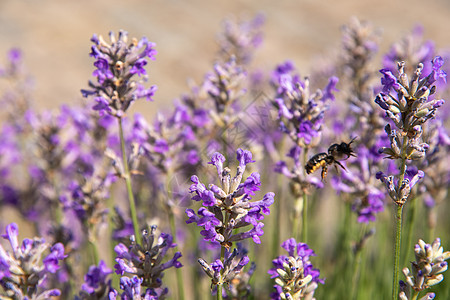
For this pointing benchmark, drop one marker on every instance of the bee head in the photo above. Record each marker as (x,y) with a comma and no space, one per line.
(341,151)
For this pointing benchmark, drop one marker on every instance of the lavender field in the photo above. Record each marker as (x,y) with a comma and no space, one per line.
(259,181)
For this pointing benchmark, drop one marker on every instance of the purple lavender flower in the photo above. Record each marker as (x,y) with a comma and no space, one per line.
(411,105)
(229,201)
(168,142)
(123,227)
(224,86)
(96,277)
(399,192)
(301,115)
(230,272)
(117,64)
(358,111)
(132,289)
(96,282)
(360,116)
(426,270)
(360,183)
(240,38)
(434,186)
(301,112)
(409,108)
(294,274)
(146,260)
(45,153)
(15,64)
(23,271)
(411,49)
(226,209)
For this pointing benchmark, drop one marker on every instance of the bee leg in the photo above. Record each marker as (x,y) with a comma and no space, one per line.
(336,168)
(340,165)
(324,172)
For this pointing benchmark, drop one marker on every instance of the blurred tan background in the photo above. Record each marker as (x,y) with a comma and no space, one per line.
(54,34)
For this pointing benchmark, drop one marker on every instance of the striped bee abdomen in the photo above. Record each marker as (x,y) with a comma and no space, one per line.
(316,162)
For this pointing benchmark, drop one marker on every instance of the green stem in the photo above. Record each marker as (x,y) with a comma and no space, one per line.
(409,227)
(415,295)
(355,277)
(180,285)
(431,223)
(220,284)
(344,246)
(430,233)
(278,206)
(357,265)
(398,238)
(127,176)
(222,259)
(110,203)
(94,251)
(305,219)
(398,221)
(297,215)
(305,204)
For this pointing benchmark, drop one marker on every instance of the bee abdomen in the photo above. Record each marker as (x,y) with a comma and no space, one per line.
(316,162)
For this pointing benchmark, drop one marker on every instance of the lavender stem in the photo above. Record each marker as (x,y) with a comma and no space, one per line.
(220,284)
(305,203)
(278,211)
(94,251)
(129,188)
(357,265)
(409,228)
(180,284)
(398,220)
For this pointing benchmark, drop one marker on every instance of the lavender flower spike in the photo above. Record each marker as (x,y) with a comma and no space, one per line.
(23,271)
(146,260)
(117,65)
(230,201)
(96,282)
(426,270)
(295,277)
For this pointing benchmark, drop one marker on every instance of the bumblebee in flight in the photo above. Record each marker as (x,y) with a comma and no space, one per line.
(336,153)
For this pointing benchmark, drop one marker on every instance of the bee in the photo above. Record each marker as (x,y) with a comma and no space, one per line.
(336,153)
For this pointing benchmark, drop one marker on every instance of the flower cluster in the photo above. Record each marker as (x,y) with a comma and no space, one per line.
(225,87)
(228,207)
(63,175)
(301,111)
(399,192)
(367,197)
(434,187)
(58,169)
(230,272)
(132,290)
(170,143)
(240,38)
(23,272)
(360,43)
(430,262)
(239,287)
(295,276)
(412,104)
(408,108)
(214,110)
(17,94)
(412,49)
(117,63)
(301,114)
(96,284)
(146,261)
